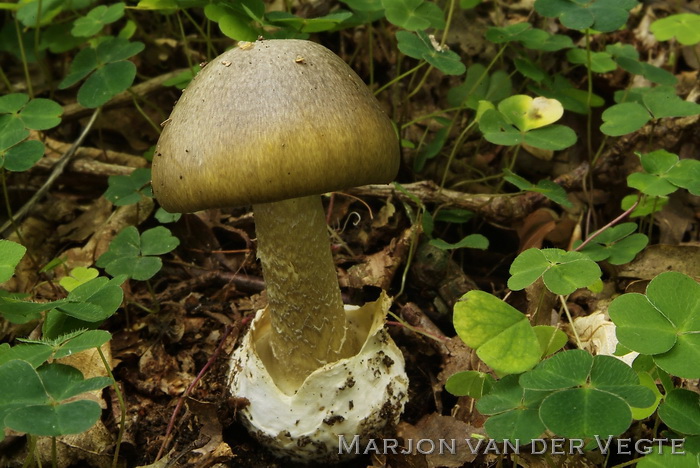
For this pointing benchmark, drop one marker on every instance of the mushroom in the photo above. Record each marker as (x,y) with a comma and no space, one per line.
(276,123)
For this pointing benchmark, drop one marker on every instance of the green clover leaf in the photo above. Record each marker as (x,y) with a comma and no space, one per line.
(127,190)
(414,15)
(617,244)
(133,254)
(664,173)
(685,27)
(10,255)
(590,395)
(107,70)
(502,336)
(39,405)
(646,104)
(562,272)
(549,189)
(96,19)
(420,46)
(664,323)
(601,15)
(478,86)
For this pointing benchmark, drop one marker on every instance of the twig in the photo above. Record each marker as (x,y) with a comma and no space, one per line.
(181,400)
(57,170)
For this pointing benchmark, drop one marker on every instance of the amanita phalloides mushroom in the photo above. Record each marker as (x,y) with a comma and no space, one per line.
(276,123)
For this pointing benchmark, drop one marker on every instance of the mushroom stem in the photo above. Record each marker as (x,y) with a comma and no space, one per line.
(306,309)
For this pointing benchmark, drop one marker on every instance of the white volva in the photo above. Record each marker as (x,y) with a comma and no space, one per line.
(357,395)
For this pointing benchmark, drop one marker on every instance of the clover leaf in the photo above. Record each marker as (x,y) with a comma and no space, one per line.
(472,241)
(617,244)
(133,254)
(10,255)
(127,190)
(562,272)
(308,25)
(39,406)
(420,46)
(601,15)
(414,15)
(472,383)
(68,344)
(522,119)
(627,57)
(685,27)
(600,62)
(478,85)
(561,89)
(680,411)
(590,395)
(502,336)
(234,18)
(107,70)
(664,172)
(549,189)
(664,323)
(513,411)
(646,104)
(531,38)
(19,115)
(78,276)
(96,19)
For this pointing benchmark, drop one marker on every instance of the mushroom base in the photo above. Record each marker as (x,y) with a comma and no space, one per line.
(360,395)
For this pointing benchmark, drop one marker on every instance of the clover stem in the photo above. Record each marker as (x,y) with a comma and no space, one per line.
(306,309)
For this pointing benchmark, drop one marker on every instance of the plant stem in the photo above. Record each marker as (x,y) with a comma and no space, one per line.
(122,408)
(23,54)
(400,77)
(607,226)
(305,306)
(589,98)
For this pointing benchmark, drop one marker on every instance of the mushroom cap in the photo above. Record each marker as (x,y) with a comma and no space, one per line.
(272,120)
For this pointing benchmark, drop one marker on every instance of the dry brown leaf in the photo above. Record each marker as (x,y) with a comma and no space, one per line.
(436,429)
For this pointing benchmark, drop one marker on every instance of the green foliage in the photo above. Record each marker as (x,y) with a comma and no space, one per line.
(10,255)
(78,276)
(522,119)
(234,19)
(664,323)
(414,15)
(601,15)
(134,255)
(127,190)
(96,19)
(420,46)
(627,57)
(502,337)
(645,104)
(547,188)
(92,301)
(19,115)
(590,395)
(680,411)
(562,272)
(664,173)
(512,411)
(478,86)
(39,405)
(106,68)
(618,245)
(470,383)
(685,27)
(529,37)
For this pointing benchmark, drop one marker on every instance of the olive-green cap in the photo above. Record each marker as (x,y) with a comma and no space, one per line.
(268,121)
